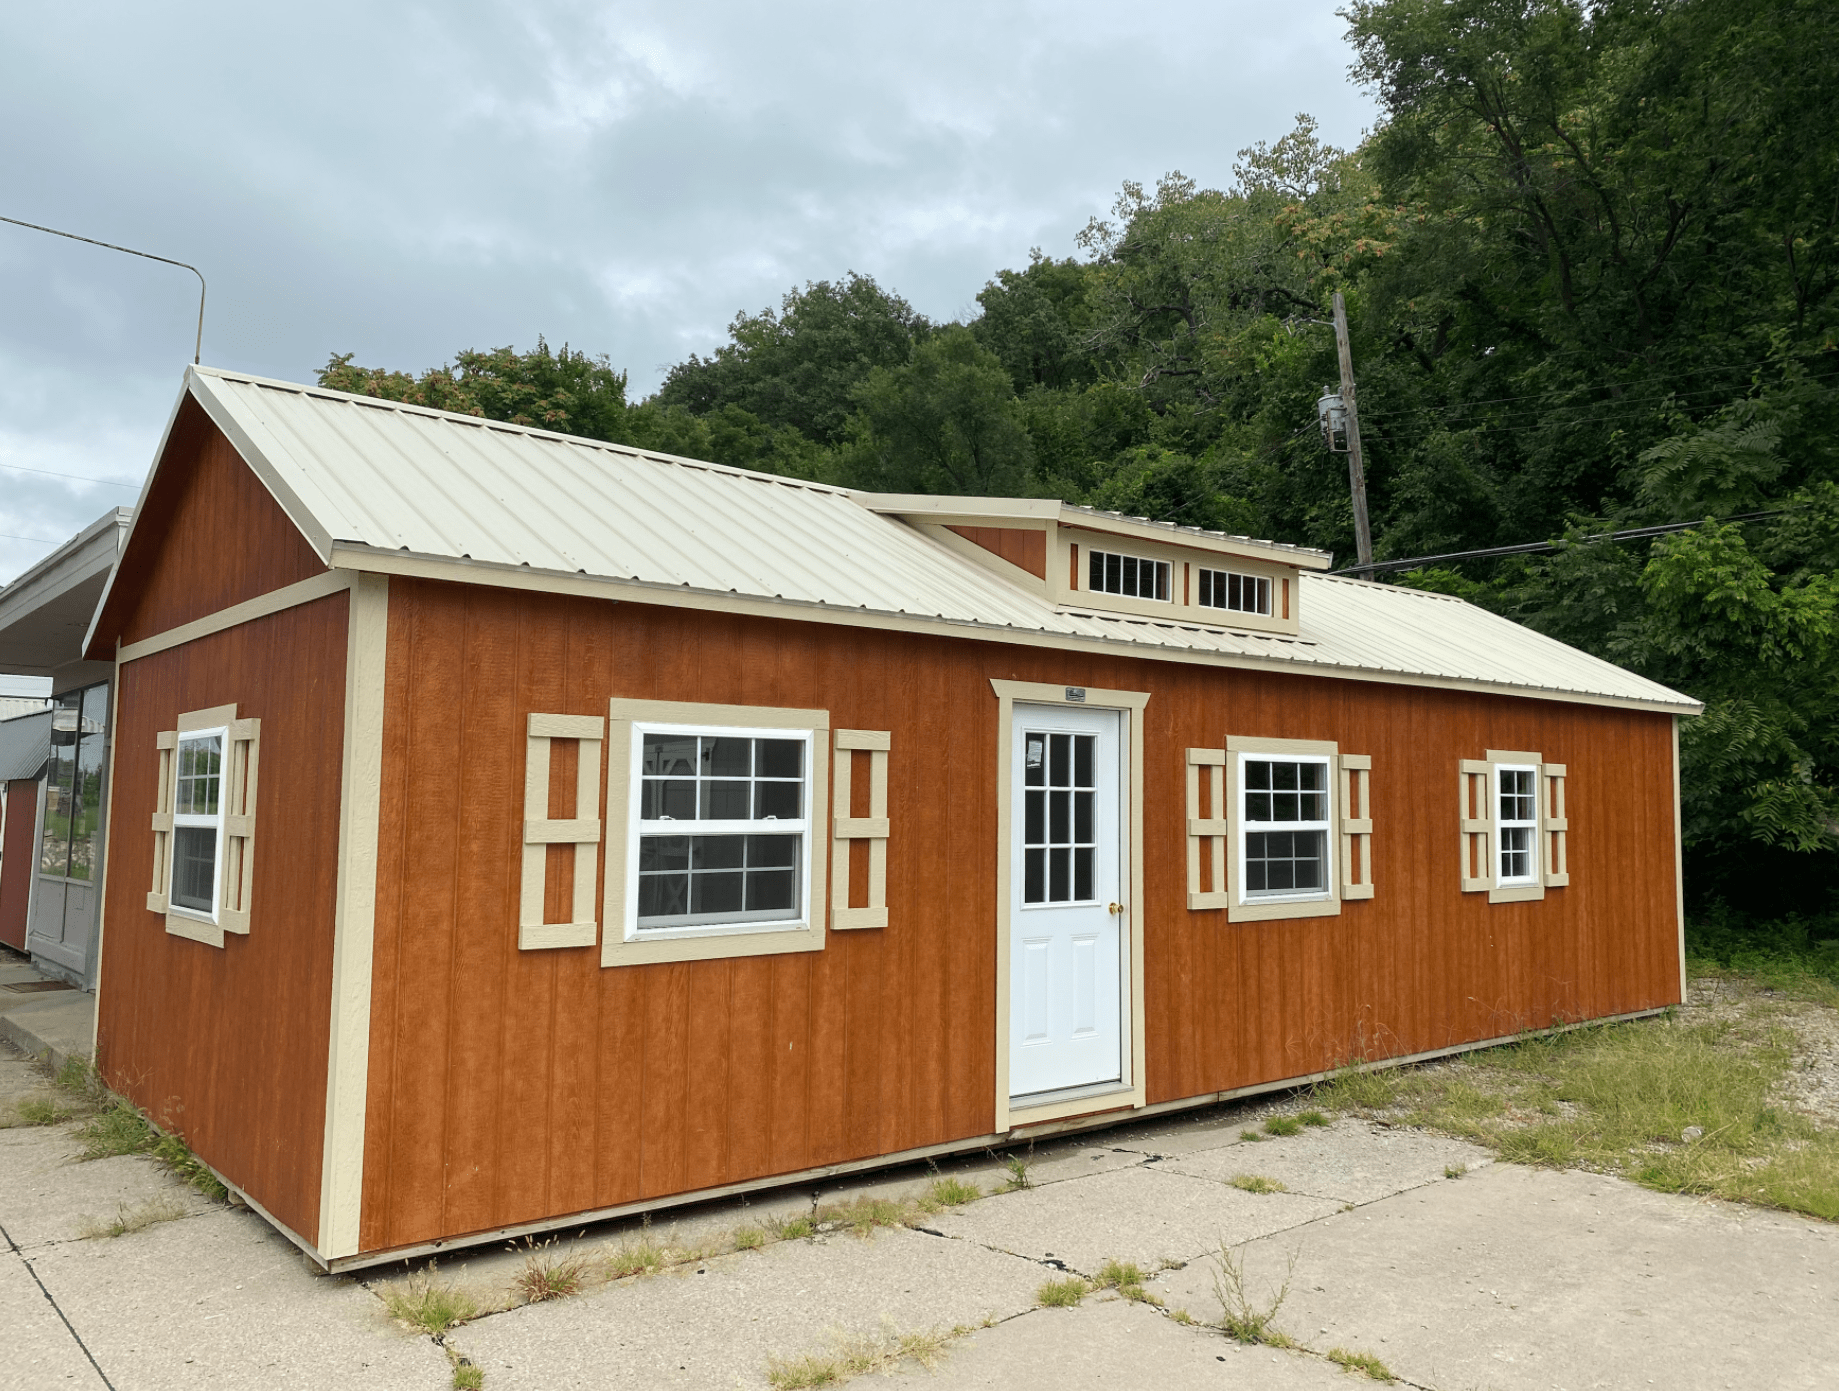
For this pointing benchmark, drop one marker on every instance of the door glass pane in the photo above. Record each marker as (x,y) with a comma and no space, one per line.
(1059,818)
(60,785)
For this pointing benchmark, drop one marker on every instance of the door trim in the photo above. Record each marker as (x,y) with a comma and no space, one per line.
(1130,1092)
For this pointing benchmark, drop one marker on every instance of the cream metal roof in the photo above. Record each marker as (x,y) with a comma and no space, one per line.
(380,485)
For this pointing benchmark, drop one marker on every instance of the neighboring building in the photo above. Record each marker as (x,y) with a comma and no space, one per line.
(514,830)
(44,615)
(23,695)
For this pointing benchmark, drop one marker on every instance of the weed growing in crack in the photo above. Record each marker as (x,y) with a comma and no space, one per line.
(1283,1125)
(1183,1317)
(749,1238)
(37,1110)
(1313,1118)
(1243,1318)
(548,1274)
(1257,1183)
(136,1219)
(1362,1362)
(791,1228)
(118,1128)
(641,1257)
(952,1192)
(1455,1170)
(428,1305)
(863,1215)
(1126,1278)
(1062,1294)
(468,1375)
(1018,1174)
(856,1355)
(1252,1135)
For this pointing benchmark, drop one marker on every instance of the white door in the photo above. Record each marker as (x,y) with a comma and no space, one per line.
(1066,902)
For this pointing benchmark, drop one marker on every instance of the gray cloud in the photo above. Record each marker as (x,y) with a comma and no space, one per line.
(403,182)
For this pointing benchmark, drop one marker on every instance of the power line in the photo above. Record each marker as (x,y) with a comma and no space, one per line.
(38,539)
(1529,547)
(198,345)
(79,477)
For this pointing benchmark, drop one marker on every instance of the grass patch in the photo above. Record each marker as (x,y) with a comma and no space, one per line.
(749,1238)
(468,1376)
(1620,1099)
(863,1215)
(133,1219)
(1314,1118)
(1127,1279)
(118,1128)
(1455,1170)
(1252,1135)
(952,1192)
(1062,1294)
(179,1160)
(1257,1183)
(38,1110)
(641,1257)
(1283,1125)
(1017,1179)
(547,1274)
(857,1355)
(1363,1362)
(429,1305)
(1243,1317)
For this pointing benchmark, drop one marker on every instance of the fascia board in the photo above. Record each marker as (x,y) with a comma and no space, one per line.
(1247,547)
(963,511)
(259,449)
(465,571)
(87,554)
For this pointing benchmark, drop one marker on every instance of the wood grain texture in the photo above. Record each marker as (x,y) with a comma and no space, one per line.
(1025,549)
(211,536)
(18,858)
(228,1045)
(510,1087)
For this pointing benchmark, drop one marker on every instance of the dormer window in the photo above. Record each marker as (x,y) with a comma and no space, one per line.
(1129,575)
(1223,589)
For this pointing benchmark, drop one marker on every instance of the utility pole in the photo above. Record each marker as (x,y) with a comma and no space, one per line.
(198,342)
(1356,471)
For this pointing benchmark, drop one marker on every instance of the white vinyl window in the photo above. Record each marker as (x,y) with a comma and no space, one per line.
(197,821)
(1129,575)
(1516,824)
(1223,589)
(1283,827)
(721,830)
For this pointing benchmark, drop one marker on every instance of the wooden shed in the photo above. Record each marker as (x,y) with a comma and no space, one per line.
(512,830)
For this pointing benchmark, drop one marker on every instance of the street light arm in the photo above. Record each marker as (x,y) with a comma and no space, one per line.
(198,345)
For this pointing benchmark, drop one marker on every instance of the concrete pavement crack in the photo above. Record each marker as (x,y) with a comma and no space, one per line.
(13,1246)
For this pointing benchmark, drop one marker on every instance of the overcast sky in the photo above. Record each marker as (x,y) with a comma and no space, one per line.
(402,181)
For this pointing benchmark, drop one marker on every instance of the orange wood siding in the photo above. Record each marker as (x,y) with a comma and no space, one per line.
(509,1087)
(1027,549)
(211,536)
(228,1046)
(18,859)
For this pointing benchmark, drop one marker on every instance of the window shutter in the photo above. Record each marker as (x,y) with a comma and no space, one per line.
(540,832)
(167,742)
(1477,822)
(243,755)
(873,828)
(1356,831)
(1207,834)
(1556,824)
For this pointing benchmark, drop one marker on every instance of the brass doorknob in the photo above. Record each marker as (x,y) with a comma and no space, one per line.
(1116,908)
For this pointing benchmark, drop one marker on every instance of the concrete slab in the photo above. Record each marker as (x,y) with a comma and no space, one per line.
(47,1195)
(717,1323)
(1349,1161)
(1209,1130)
(40,1352)
(222,1301)
(1524,1278)
(58,1023)
(1140,1215)
(1110,1344)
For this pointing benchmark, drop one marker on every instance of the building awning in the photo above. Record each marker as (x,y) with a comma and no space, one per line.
(25,745)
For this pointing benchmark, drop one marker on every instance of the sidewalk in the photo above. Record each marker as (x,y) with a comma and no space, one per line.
(39,1015)
(1453,1271)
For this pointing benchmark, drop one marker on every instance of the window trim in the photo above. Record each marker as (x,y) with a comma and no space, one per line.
(189,922)
(1263,584)
(1487,826)
(1240,908)
(1166,569)
(1534,875)
(183,820)
(627,721)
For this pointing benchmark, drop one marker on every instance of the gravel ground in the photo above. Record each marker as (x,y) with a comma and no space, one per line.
(1812,1083)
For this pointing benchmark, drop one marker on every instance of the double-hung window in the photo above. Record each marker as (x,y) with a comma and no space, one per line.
(1516,824)
(197,821)
(1129,575)
(722,825)
(1283,827)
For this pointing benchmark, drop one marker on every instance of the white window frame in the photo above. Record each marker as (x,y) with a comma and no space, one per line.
(194,821)
(1533,875)
(636,829)
(1166,569)
(1243,896)
(1220,581)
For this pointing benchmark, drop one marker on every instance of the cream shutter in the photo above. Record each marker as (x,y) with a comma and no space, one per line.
(1555,824)
(243,755)
(1477,822)
(1207,834)
(1356,831)
(582,830)
(848,829)
(167,744)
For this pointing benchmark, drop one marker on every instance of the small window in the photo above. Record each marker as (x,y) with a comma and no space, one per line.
(1283,828)
(723,828)
(1060,829)
(1222,589)
(1517,824)
(197,820)
(1129,576)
